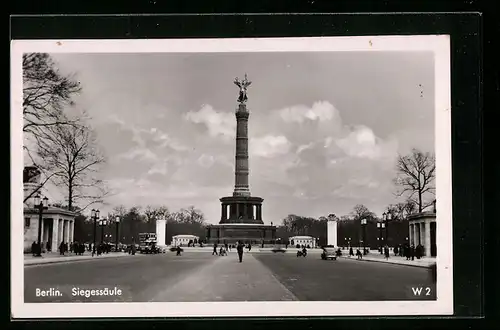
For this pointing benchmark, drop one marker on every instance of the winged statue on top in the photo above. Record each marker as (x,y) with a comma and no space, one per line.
(243,85)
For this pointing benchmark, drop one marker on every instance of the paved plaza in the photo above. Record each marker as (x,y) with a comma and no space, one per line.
(199,276)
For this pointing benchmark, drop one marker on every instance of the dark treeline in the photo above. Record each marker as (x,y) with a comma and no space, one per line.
(137,220)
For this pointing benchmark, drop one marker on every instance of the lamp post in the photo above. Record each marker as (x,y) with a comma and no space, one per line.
(40,205)
(380,226)
(103,224)
(363,224)
(348,240)
(388,217)
(117,222)
(95,217)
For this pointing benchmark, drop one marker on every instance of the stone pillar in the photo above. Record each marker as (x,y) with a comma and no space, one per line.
(72,230)
(55,234)
(410,230)
(60,234)
(331,235)
(161,232)
(427,238)
(415,235)
(241,187)
(237,210)
(422,232)
(259,212)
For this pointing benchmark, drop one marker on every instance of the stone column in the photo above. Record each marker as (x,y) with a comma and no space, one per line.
(422,233)
(415,234)
(161,229)
(55,234)
(410,234)
(241,187)
(244,207)
(60,235)
(237,210)
(71,230)
(331,235)
(259,212)
(427,238)
(66,231)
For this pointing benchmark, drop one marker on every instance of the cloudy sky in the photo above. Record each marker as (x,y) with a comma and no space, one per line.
(325,128)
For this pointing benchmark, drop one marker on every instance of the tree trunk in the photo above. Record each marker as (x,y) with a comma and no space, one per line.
(420,209)
(70,195)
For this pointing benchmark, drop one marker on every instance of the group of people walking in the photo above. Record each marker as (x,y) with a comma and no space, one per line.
(77,248)
(224,248)
(410,252)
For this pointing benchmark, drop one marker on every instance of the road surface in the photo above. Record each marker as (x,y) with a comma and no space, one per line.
(203,277)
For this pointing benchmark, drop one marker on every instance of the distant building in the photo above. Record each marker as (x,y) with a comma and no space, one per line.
(303,240)
(58,225)
(422,229)
(183,240)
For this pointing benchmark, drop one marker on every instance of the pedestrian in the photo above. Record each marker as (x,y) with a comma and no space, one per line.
(386,252)
(351,252)
(215,249)
(239,248)
(412,252)
(396,250)
(359,255)
(61,248)
(178,250)
(33,248)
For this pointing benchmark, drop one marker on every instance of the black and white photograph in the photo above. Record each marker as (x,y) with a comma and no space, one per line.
(231,177)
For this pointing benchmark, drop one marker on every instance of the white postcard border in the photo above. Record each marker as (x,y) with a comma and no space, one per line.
(438,44)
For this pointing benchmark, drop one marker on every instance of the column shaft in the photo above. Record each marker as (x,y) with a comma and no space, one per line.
(427,239)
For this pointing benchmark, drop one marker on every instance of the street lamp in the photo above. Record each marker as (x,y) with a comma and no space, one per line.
(40,205)
(388,218)
(103,224)
(363,224)
(95,217)
(348,240)
(380,226)
(117,222)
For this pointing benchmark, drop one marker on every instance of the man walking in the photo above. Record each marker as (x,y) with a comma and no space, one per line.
(239,248)
(215,249)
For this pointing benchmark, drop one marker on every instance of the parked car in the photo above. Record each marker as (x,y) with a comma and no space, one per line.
(329,253)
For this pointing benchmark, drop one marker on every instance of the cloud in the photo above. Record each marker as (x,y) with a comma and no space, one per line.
(143,136)
(319,111)
(269,146)
(159,168)
(218,123)
(138,153)
(206,160)
(362,143)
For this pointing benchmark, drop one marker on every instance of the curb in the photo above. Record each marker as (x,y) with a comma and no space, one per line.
(59,260)
(388,262)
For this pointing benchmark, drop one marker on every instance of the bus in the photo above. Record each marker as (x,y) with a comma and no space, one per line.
(147,243)
(146,236)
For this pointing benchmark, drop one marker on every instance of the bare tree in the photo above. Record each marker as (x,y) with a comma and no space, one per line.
(416,173)
(45,94)
(362,212)
(193,215)
(70,153)
(152,213)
